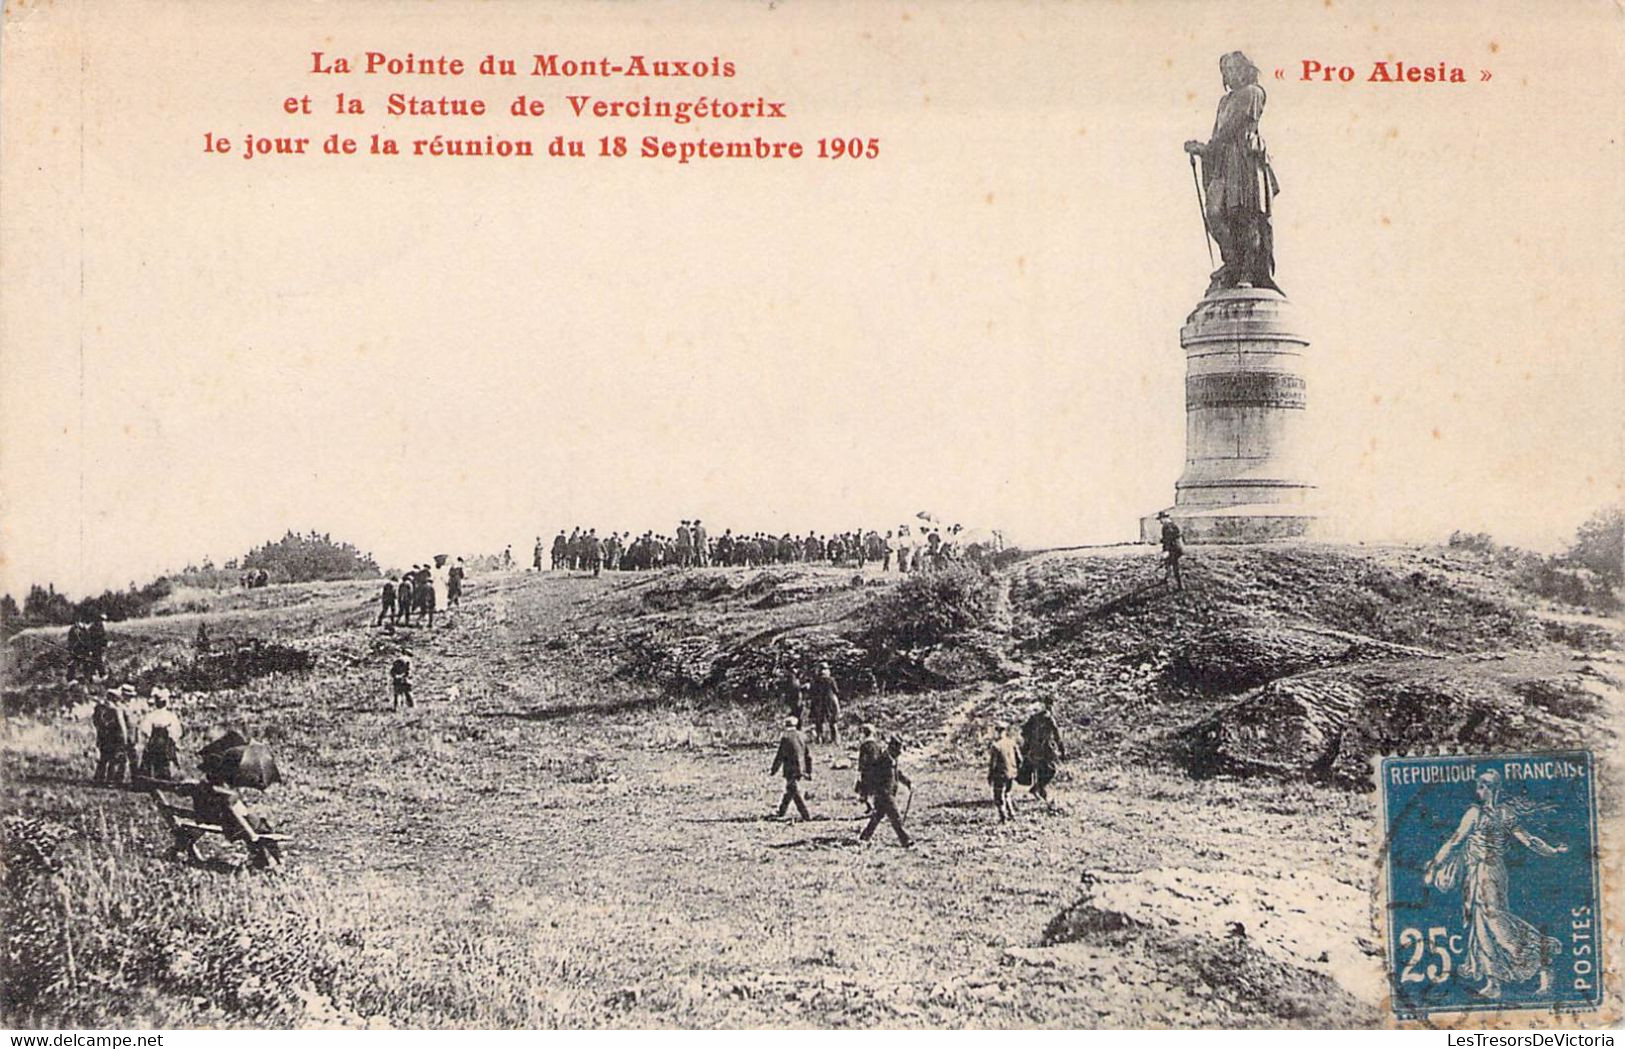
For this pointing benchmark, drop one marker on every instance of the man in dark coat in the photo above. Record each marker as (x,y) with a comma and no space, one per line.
(400,682)
(78,649)
(593,551)
(113,737)
(869,751)
(795,761)
(386,603)
(826,705)
(423,587)
(1042,748)
(405,599)
(96,643)
(795,695)
(880,782)
(454,583)
(1173,548)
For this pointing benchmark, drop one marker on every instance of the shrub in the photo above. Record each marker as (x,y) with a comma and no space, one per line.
(304,558)
(1599,545)
(1478,542)
(928,608)
(1560,580)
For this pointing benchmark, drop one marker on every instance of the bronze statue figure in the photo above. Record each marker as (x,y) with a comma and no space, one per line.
(1238,181)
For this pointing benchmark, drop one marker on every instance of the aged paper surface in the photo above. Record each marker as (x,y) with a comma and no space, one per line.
(448,279)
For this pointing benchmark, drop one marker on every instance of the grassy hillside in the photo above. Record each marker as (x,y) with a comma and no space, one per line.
(572,828)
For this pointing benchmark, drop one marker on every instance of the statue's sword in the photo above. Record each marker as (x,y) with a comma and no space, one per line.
(1207,234)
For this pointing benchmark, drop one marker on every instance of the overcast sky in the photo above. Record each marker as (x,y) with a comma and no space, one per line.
(422,355)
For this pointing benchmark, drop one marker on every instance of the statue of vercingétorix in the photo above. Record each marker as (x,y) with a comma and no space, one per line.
(1238,181)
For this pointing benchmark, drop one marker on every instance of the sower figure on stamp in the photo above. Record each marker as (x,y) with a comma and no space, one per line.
(1501,947)
(1238,182)
(795,761)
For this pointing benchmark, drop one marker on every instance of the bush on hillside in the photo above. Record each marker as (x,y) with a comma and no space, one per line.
(304,558)
(1599,545)
(929,608)
(1589,574)
(1478,542)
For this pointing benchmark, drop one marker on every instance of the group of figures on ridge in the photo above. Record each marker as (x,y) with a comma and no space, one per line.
(910,550)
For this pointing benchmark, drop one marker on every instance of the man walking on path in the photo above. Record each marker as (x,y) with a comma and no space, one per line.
(1003,761)
(795,761)
(869,752)
(424,588)
(1041,743)
(881,779)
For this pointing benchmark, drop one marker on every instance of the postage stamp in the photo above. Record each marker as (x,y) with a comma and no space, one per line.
(1492,883)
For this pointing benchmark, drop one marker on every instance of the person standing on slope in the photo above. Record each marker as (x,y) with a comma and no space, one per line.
(1173,548)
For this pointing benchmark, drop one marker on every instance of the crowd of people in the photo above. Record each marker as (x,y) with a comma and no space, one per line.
(905,548)
(138,741)
(135,741)
(138,745)
(421,591)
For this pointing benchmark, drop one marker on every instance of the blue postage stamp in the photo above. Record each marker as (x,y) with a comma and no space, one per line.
(1492,883)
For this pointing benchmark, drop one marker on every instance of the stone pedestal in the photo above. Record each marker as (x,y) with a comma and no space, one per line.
(1245,476)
